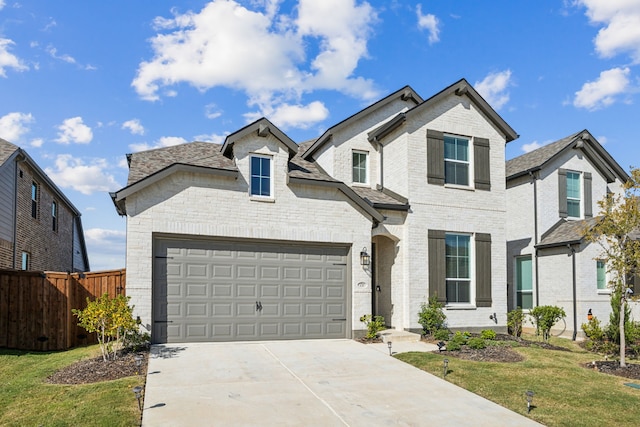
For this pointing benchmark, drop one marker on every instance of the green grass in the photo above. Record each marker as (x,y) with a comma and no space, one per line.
(27,400)
(566,394)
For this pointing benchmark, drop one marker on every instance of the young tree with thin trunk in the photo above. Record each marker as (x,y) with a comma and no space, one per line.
(617,230)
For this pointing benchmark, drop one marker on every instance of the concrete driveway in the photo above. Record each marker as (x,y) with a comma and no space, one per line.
(305,383)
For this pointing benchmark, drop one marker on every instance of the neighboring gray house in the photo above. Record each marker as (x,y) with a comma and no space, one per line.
(552,196)
(261,238)
(40,229)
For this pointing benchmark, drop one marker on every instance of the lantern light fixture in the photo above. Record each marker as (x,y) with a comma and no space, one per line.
(365,258)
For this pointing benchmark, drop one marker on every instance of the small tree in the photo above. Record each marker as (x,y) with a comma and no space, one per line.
(514,322)
(111,319)
(616,231)
(374,325)
(544,317)
(431,316)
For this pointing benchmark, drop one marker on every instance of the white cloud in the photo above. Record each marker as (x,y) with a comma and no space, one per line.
(9,60)
(165,141)
(603,91)
(211,111)
(53,52)
(14,125)
(292,116)
(214,138)
(602,139)
(37,142)
(134,126)
(527,148)
(621,31)
(2,3)
(106,248)
(73,130)
(430,23)
(87,178)
(268,63)
(493,88)
(122,163)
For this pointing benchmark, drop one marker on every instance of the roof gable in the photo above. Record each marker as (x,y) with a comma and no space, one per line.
(261,128)
(583,140)
(405,94)
(6,150)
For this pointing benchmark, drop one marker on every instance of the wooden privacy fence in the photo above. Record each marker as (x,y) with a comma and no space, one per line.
(35,307)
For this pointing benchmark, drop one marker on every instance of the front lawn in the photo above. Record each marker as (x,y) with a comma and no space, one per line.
(26,399)
(566,394)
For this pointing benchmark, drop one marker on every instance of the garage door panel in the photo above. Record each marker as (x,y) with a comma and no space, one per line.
(208,290)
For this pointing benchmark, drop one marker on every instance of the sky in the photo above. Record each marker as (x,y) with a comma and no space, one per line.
(83,83)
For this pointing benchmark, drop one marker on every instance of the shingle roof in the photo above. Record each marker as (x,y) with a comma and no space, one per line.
(380,199)
(565,232)
(205,154)
(6,150)
(536,158)
(299,168)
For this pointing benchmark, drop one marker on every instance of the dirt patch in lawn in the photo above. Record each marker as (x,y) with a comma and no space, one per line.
(96,370)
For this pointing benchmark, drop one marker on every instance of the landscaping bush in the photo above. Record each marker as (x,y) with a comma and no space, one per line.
(441,334)
(488,334)
(374,325)
(514,322)
(431,316)
(476,343)
(544,317)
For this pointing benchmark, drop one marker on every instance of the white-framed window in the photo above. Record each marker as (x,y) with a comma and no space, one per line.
(360,167)
(574,207)
(601,275)
(261,176)
(25,261)
(458,268)
(524,282)
(457,160)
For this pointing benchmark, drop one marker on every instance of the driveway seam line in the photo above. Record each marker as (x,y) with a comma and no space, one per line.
(324,402)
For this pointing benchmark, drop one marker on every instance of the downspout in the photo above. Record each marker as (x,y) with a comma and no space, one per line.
(535,232)
(575,308)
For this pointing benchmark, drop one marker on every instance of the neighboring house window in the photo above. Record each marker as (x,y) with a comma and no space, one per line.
(34,200)
(458,268)
(573,195)
(456,160)
(360,167)
(54,216)
(25,261)
(601,274)
(261,179)
(524,283)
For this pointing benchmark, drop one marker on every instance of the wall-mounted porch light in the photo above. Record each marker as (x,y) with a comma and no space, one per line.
(365,258)
(589,315)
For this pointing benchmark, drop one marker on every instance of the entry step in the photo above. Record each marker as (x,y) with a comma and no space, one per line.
(395,335)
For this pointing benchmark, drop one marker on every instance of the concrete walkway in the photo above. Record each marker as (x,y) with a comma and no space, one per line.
(306,383)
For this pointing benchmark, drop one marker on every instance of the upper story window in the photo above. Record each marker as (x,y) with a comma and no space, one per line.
(34,199)
(573,195)
(456,160)
(54,216)
(360,167)
(261,179)
(458,268)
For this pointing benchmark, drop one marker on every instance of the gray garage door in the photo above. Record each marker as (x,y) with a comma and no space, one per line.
(237,291)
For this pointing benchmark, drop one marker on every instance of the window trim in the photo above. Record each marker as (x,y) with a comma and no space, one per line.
(253,195)
(581,196)
(366,167)
(469,162)
(471,280)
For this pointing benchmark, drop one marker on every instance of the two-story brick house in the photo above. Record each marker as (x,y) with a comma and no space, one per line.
(262,238)
(40,229)
(552,196)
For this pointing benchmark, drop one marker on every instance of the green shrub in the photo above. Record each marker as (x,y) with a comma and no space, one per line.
(374,325)
(476,343)
(441,334)
(544,317)
(453,346)
(514,322)
(593,330)
(488,334)
(431,316)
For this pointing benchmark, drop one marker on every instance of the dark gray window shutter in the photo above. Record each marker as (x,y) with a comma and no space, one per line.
(562,193)
(482,171)
(483,270)
(435,157)
(588,209)
(437,266)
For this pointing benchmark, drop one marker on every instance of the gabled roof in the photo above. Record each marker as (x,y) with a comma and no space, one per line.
(6,150)
(262,127)
(405,94)
(459,88)
(583,140)
(566,233)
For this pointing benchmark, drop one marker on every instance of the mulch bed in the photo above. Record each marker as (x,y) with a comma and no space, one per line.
(612,367)
(96,370)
